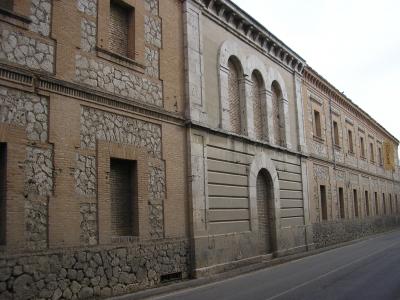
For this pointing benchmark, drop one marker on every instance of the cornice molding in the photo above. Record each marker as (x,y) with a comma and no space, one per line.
(320,83)
(40,82)
(244,25)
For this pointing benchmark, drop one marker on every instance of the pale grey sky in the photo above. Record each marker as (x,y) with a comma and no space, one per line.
(354,44)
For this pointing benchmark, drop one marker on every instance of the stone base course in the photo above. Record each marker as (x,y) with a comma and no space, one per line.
(330,233)
(92,272)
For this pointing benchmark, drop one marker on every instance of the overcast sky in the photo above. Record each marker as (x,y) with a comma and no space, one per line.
(354,44)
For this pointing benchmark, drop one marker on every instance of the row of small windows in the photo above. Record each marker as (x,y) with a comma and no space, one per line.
(350,140)
(236,102)
(394,208)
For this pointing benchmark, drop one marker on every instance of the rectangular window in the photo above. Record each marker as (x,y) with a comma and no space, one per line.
(324,207)
(371,152)
(366,203)
(362,147)
(384,203)
(7,4)
(317,124)
(380,156)
(123,190)
(355,200)
(121,28)
(3,187)
(336,133)
(350,138)
(391,204)
(397,205)
(376,204)
(341,203)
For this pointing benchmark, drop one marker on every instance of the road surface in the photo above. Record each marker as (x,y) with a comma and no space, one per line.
(369,269)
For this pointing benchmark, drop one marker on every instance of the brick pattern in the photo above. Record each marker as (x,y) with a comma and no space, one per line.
(3,164)
(122,197)
(234,98)
(257,112)
(263,210)
(119,21)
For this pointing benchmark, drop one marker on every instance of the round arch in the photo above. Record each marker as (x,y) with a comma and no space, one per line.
(262,162)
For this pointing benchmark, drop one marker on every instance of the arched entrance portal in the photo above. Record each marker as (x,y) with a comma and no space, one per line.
(264,194)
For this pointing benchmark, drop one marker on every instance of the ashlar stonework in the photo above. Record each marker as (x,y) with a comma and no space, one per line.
(97,124)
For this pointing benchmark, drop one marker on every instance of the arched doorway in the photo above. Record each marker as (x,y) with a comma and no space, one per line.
(265,208)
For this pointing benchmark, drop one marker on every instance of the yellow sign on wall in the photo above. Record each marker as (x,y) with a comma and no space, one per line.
(388,156)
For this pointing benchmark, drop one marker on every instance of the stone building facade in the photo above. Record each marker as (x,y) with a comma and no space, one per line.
(353,166)
(93,147)
(143,141)
(248,170)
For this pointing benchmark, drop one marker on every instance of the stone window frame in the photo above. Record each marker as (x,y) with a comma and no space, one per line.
(361,144)
(136,59)
(350,139)
(380,153)
(337,143)
(106,151)
(371,145)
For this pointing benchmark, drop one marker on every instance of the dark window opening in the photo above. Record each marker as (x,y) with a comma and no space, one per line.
(391,204)
(376,204)
(371,151)
(317,120)
(341,203)
(7,4)
(171,277)
(336,133)
(3,187)
(123,191)
(324,208)
(380,156)
(355,203)
(384,203)
(362,147)
(350,137)
(366,203)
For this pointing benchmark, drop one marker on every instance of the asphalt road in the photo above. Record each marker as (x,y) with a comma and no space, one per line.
(369,269)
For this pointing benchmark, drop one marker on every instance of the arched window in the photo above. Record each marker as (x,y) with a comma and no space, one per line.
(277,117)
(234,76)
(256,89)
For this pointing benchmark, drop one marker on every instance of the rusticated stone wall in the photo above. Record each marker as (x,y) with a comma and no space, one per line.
(85,175)
(117,81)
(97,124)
(26,51)
(88,35)
(88,7)
(335,232)
(92,272)
(40,16)
(156,199)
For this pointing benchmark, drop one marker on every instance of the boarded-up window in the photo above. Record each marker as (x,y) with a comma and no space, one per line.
(376,204)
(367,203)
(355,200)
(6,4)
(324,206)
(384,203)
(234,96)
(3,175)
(362,147)
(341,203)
(123,190)
(336,133)
(350,139)
(317,124)
(120,23)
(371,152)
(257,110)
(276,113)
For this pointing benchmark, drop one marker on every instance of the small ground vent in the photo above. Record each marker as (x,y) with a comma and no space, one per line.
(171,277)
